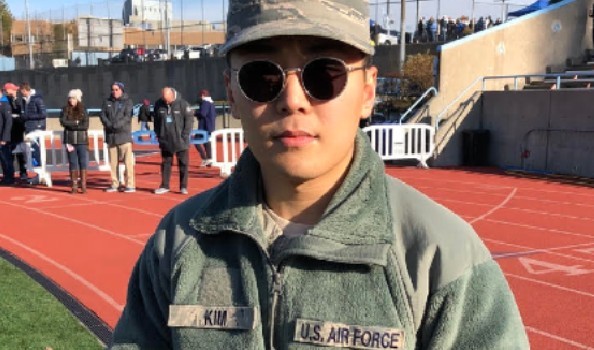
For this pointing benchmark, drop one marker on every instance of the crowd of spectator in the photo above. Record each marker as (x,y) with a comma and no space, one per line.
(24,113)
(445,29)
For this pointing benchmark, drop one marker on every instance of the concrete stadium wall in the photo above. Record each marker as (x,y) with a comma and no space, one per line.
(555,127)
(143,80)
(222,121)
(526,45)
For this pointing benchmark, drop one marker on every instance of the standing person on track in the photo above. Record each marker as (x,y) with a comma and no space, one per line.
(75,121)
(33,115)
(116,117)
(6,162)
(206,115)
(309,244)
(173,123)
(145,115)
(17,135)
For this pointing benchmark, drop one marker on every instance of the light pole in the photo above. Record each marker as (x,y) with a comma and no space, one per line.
(182,22)
(472,16)
(31,64)
(168,25)
(418,8)
(402,35)
(224,18)
(503,11)
(202,21)
(1,35)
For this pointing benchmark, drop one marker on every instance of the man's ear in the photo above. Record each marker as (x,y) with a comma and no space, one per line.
(369,92)
(229,91)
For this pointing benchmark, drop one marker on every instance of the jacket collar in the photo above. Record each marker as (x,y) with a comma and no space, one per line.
(358,213)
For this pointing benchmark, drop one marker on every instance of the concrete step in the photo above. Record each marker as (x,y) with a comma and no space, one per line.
(584,71)
(569,80)
(539,86)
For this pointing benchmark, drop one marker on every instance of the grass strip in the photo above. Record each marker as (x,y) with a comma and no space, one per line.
(32,318)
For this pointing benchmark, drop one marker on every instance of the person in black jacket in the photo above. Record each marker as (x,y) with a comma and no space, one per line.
(145,115)
(5,152)
(173,122)
(206,115)
(18,128)
(75,120)
(33,115)
(116,117)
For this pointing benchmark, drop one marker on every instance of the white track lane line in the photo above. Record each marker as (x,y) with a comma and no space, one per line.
(443,200)
(93,288)
(551,285)
(483,185)
(113,203)
(561,339)
(531,250)
(495,208)
(538,228)
(65,218)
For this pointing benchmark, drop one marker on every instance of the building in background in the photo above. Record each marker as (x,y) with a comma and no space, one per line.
(148,14)
(90,39)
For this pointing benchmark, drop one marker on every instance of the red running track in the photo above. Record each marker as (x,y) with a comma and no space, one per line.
(541,233)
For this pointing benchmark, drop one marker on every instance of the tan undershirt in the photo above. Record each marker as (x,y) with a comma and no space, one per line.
(275,226)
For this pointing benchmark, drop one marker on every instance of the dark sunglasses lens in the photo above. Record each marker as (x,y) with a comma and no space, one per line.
(324,78)
(260,81)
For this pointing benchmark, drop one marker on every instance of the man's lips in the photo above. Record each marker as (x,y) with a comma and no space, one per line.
(295,138)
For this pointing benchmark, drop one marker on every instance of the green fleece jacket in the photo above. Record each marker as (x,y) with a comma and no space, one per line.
(385,268)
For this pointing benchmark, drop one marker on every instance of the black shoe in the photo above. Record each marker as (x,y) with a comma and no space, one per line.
(32,180)
(6,182)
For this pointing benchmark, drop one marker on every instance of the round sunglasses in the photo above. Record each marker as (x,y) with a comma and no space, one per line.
(322,79)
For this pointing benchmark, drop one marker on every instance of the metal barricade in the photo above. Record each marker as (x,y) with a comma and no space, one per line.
(406,141)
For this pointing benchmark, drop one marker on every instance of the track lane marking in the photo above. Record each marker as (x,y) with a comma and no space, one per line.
(531,250)
(93,288)
(65,218)
(495,208)
(538,228)
(482,185)
(552,285)
(556,337)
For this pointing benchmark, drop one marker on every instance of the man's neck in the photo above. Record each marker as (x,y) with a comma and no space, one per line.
(303,202)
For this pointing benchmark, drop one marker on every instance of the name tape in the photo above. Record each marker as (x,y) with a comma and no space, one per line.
(198,316)
(341,335)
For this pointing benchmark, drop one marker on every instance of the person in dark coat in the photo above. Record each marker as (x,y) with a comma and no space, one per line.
(206,115)
(75,120)
(18,128)
(173,122)
(5,152)
(33,115)
(145,115)
(116,117)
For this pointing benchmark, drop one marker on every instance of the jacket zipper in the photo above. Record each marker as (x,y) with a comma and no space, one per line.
(277,285)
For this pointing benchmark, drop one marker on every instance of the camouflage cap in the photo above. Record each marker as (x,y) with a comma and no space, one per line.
(342,20)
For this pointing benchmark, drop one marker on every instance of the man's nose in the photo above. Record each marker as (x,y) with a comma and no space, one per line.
(294,98)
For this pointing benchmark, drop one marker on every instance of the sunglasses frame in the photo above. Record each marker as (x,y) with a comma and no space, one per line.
(348,69)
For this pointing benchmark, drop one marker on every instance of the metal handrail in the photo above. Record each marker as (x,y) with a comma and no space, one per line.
(409,110)
(224,107)
(557,76)
(446,108)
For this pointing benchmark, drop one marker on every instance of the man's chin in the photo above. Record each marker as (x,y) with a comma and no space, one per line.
(296,171)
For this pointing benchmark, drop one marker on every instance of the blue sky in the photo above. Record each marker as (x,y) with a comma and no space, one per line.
(213,9)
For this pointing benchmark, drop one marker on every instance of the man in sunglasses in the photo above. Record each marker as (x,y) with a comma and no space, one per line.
(309,244)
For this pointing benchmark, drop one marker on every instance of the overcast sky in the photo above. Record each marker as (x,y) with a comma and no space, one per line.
(214,9)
